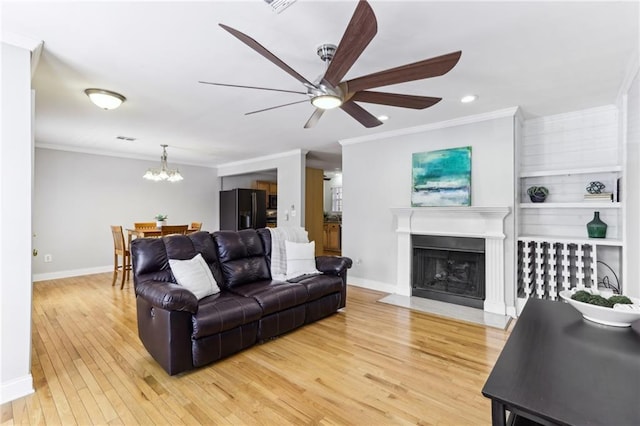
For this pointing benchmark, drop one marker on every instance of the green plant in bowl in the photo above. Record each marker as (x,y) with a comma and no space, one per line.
(537,194)
(161,217)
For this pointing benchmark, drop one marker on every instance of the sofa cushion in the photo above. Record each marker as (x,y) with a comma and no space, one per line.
(194,274)
(241,257)
(321,285)
(301,259)
(273,296)
(224,311)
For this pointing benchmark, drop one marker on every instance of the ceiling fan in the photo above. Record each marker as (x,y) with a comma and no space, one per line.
(330,92)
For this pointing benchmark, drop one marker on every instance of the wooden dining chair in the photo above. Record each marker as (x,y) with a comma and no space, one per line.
(174,229)
(120,250)
(196,226)
(144,225)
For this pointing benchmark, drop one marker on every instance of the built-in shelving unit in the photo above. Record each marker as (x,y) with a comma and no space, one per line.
(565,153)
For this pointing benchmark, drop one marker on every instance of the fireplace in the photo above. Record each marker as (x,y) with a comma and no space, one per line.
(480,223)
(450,269)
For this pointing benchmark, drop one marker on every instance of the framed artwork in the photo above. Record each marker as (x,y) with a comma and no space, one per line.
(441,178)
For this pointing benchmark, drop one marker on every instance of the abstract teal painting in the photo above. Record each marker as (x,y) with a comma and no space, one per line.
(442,178)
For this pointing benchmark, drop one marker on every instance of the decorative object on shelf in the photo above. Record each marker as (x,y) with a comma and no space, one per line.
(163,173)
(596,228)
(441,178)
(595,187)
(537,194)
(603,273)
(160,219)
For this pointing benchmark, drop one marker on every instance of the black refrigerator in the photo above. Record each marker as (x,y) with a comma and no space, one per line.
(243,209)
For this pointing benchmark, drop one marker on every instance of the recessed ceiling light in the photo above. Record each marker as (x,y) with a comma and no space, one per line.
(383,117)
(468,98)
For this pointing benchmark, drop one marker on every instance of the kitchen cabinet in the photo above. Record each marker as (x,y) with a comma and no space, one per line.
(271,188)
(332,244)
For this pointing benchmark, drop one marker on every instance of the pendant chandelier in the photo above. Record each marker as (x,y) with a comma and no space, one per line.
(163,172)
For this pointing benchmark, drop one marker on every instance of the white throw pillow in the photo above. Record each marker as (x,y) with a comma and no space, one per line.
(301,259)
(194,275)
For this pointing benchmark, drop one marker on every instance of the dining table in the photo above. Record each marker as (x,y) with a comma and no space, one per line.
(149,232)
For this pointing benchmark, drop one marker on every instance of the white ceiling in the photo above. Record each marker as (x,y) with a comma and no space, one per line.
(546,57)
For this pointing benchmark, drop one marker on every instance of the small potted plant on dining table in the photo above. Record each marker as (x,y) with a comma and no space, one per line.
(160,219)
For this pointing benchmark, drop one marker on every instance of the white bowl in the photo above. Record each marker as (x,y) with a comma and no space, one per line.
(617,317)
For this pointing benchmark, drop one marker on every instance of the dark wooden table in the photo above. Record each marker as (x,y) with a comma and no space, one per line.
(557,368)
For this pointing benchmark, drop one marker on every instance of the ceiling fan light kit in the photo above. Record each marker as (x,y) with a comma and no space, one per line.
(329,91)
(326,101)
(163,172)
(105,99)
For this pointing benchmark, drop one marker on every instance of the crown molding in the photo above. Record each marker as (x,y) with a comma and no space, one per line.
(90,151)
(507,112)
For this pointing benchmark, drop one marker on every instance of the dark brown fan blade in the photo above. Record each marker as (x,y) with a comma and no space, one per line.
(359,33)
(356,111)
(277,106)
(315,117)
(416,71)
(251,87)
(264,52)
(395,99)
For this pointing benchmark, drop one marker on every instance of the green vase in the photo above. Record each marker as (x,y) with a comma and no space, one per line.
(597,228)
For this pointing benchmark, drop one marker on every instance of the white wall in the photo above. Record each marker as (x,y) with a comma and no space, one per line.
(291,180)
(632,189)
(78,196)
(377,176)
(16,153)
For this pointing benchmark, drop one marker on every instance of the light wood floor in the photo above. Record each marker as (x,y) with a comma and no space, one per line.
(371,364)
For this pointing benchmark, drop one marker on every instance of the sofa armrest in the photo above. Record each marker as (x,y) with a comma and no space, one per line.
(333,265)
(168,296)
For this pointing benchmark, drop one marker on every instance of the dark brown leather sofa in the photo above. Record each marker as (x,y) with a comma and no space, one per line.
(181,332)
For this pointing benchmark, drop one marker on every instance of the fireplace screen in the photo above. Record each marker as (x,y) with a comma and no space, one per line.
(449,269)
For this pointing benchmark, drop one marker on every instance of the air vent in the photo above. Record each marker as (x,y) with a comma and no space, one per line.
(279,5)
(125,138)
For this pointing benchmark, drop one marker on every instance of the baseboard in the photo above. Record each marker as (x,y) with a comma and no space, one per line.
(372,285)
(71,273)
(16,388)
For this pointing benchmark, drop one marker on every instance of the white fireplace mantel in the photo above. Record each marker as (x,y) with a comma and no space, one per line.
(474,222)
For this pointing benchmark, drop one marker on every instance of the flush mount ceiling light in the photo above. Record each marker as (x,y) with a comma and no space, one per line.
(163,172)
(469,98)
(105,99)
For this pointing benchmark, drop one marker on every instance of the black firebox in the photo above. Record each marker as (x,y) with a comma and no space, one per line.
(449,269)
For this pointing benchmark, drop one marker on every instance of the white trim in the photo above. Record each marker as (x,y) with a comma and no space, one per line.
(35,57)
(16,388)
(21,41)
(91,151)
(507,112)
(633,67)
(263,158)
(372,284)
(71,273)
